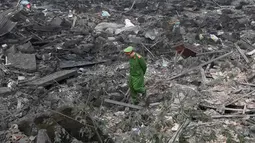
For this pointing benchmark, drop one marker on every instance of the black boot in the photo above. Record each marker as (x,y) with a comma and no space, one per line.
(144,94)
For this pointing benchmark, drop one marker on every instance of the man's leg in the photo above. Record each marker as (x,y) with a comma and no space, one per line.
(133,93)
(138,85)
(134,96)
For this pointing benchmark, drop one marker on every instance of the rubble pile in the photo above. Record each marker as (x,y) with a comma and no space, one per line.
(64,76)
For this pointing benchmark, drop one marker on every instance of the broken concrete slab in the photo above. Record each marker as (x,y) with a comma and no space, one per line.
(56,22)
(71,64)
(4,91)
(26,48)
(22,61)
(52,78)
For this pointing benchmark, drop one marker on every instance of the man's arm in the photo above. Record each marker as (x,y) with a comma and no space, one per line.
(143,64)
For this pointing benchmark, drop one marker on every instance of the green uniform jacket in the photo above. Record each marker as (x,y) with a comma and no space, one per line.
(137,70)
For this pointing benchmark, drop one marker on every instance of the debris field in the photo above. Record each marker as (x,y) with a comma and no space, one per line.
(64,74)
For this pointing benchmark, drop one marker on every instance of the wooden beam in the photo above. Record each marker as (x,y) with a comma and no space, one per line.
(225,108)
(232,116)
(203,64)
(179,131)
(242,53)
(5,91)
(212,52)
(72,64)
(123,104)
(248,84)
(203,76)
(237,99)
(52,78)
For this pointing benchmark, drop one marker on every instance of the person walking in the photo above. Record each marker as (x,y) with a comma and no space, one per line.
(137,71)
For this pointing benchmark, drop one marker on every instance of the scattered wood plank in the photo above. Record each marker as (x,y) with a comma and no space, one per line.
(227,103)
(242,53)
(204,79)
(248,43)
(244,45)
(15,41)
(216,3)
(244,108)
(71,64)
(4,91)
(18,3)
(70,118)
(123,104)
(248,84)
(179,131)
(209,65)
(74,22)
(225,108)
(213,52)
(154,104)
(45,28)
(131,7)
(52,78)
(148,50)
(250,77)
(203,64)
(232,116)
(126,95)
(90,124)
(74,19)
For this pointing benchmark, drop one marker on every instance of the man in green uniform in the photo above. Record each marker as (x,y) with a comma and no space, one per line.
(137,70)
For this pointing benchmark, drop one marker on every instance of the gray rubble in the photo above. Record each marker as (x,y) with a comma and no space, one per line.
(64,75)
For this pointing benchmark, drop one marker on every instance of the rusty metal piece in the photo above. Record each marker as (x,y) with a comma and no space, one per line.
(186,50)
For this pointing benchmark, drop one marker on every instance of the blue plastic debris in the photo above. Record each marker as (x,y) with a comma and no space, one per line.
(105,13)
(24,2)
